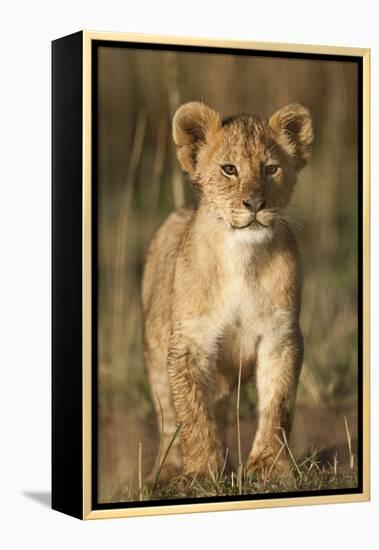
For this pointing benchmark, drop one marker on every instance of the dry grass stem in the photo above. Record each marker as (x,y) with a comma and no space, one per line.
(158,167)
(335,463)
(240,466)
(121,234)
(140,471)
(348,436)
(224,464)
(285,443)
(174,99)
(275,460)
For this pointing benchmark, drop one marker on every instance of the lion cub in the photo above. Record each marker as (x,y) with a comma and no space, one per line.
(222,284)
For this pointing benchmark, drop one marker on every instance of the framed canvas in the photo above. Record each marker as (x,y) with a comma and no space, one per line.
(210,275)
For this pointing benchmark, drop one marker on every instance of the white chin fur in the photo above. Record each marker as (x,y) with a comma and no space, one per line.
(253,235)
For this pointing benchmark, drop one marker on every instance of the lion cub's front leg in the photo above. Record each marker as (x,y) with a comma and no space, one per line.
(278,371)
(190,372)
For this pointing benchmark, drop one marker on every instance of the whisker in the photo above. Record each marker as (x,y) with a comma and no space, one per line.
(291,223)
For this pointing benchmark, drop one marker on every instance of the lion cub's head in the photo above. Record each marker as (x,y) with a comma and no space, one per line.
(245,167)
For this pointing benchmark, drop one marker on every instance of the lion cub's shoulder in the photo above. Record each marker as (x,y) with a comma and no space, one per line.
(170,233)
(163,250)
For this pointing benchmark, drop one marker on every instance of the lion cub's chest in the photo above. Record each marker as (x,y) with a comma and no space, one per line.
(242,307)
(241,296)
(241,302)
(237,311)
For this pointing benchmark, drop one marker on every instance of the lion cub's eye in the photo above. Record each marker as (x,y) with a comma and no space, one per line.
(271,169)
(229,170)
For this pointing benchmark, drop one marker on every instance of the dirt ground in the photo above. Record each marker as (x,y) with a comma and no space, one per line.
(321,429)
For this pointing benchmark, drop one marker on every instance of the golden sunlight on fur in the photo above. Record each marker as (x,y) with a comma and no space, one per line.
(224,280)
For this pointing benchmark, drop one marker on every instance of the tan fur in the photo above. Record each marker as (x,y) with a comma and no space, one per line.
(216,282)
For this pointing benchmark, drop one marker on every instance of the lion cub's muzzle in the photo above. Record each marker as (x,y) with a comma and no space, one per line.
(254,205)
(253,218)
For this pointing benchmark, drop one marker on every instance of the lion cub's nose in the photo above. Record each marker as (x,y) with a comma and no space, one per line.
(254,205)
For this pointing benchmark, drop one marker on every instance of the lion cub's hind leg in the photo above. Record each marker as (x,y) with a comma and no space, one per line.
(166,419)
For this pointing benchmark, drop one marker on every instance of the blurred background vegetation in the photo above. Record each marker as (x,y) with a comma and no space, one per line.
(139,183)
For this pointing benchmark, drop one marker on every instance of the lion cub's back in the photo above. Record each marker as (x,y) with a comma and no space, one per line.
(160,262)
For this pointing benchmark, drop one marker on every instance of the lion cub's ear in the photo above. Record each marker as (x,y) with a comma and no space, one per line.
(294,132)
(193,124)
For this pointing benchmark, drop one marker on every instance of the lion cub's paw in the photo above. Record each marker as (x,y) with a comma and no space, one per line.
(268,465)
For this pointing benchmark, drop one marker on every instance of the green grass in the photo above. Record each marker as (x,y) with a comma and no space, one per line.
(309,475)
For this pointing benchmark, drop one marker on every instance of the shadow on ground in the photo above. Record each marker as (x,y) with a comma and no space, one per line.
(41,497)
